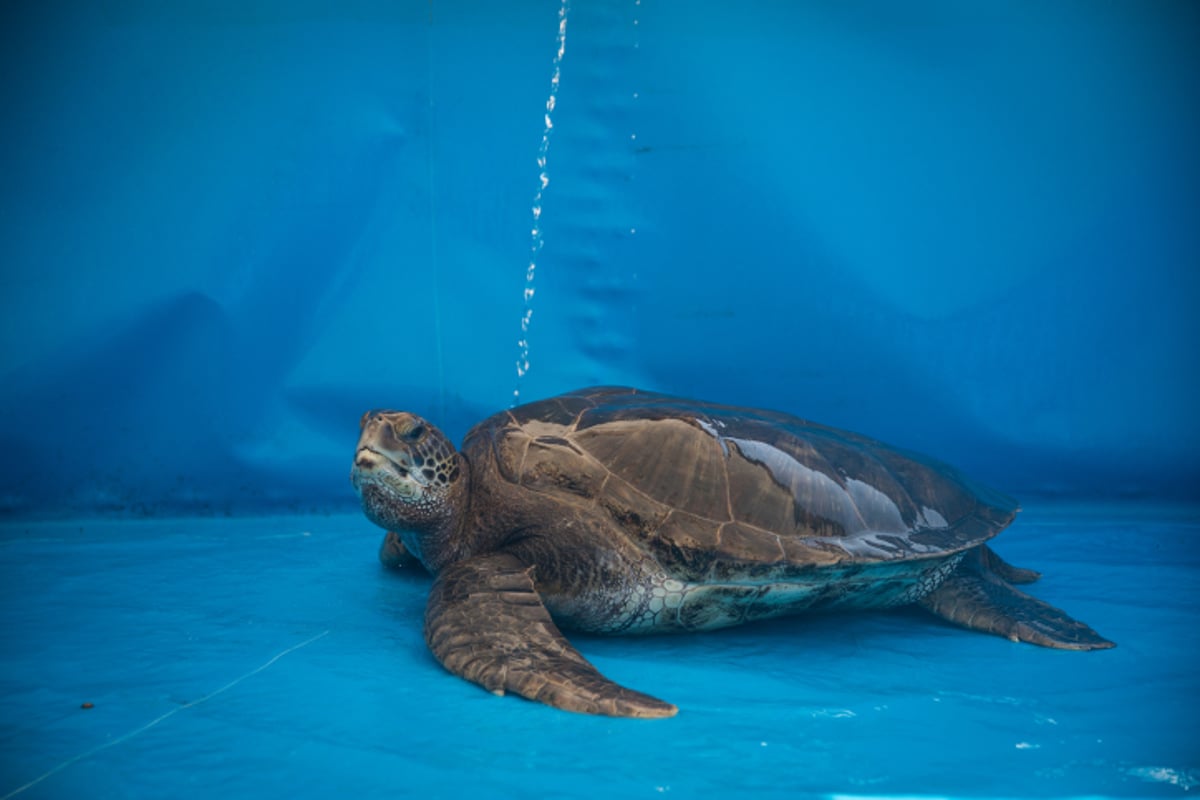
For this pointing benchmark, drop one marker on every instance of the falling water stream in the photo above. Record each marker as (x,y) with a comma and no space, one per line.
(543,181)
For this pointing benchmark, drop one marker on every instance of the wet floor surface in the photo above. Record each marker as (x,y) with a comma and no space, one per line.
(267,657)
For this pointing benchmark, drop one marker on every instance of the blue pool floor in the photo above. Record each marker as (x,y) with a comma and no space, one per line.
(273,657)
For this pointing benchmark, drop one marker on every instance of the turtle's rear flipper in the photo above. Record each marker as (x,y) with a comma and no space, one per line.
(485,622)
(982,601)
(1006,570)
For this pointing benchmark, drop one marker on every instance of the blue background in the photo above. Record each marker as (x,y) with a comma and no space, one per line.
(228,229)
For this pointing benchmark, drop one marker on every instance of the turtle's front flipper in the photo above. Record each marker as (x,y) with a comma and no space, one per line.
(393,554)
(975,597)
(485,622)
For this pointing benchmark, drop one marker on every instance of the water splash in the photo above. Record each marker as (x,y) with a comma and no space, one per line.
(543,182)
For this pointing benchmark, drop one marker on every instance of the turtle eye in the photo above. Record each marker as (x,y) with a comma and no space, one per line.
(414,433)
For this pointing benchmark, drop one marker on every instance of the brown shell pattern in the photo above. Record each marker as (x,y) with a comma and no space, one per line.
(691,479)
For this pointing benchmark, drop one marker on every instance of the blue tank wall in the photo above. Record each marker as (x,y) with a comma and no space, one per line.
(229,228)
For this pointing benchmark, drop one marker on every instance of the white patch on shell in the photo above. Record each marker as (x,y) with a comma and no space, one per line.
(863,511)
(932,519)
(874,507)
(871,544)
(712,431)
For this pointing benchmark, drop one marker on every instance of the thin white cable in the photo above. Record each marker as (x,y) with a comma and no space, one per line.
(126,737)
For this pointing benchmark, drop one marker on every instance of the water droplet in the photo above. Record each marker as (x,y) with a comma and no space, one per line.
(535,233)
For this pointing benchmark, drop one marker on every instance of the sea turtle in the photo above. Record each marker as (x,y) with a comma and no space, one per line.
(615,510)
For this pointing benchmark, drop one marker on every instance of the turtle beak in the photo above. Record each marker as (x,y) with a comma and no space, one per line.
(367,459)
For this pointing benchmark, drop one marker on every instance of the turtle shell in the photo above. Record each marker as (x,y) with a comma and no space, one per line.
(698,483)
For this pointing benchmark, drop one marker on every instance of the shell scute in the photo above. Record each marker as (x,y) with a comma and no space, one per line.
(757,545)
(706,487)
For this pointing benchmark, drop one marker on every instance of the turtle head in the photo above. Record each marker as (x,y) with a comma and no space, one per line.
(411,480)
